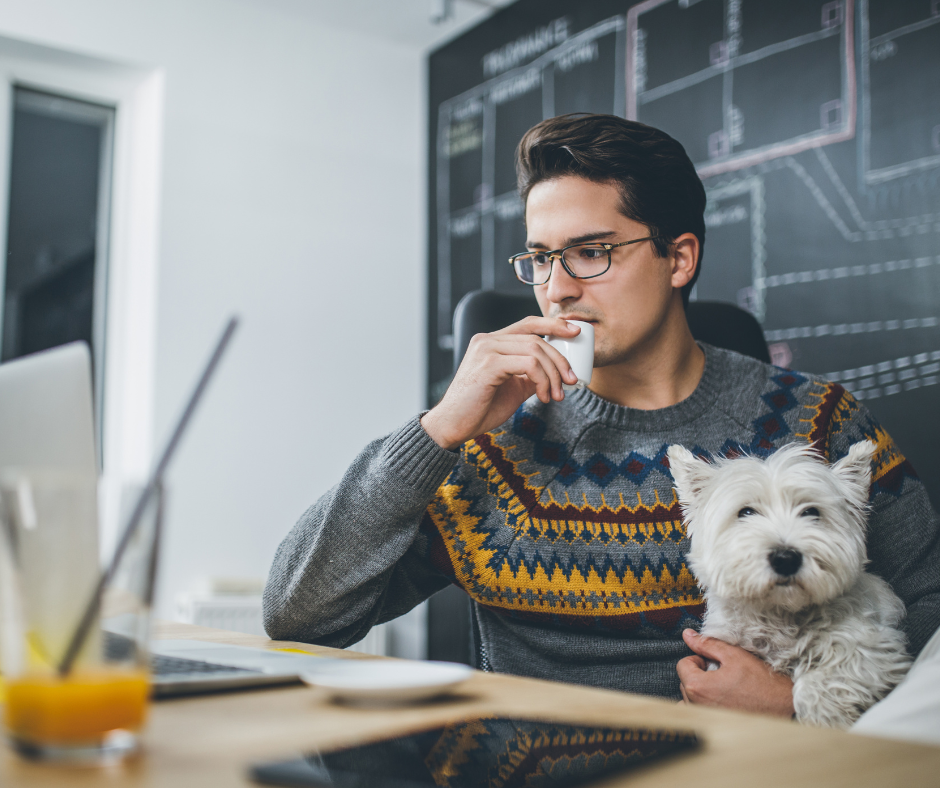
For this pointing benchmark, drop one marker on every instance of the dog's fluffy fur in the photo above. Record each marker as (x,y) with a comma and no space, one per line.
(778,548)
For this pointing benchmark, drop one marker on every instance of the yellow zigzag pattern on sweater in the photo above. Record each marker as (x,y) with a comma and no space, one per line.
(840,405)
(598,589)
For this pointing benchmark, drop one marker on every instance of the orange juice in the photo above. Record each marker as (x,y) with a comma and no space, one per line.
(47,709)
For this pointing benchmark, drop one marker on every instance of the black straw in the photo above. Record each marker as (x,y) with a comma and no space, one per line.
(156,479)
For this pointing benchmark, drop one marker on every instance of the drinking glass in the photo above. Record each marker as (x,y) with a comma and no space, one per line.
(49,569)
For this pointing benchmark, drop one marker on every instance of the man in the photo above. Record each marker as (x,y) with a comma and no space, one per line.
(556,512)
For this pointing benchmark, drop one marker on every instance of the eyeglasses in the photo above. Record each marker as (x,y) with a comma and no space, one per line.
(582,261)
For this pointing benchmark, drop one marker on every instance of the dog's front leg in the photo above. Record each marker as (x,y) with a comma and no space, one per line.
(826,699)
(852,669)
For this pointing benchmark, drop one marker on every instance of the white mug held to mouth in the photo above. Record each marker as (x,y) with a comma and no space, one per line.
(579,351)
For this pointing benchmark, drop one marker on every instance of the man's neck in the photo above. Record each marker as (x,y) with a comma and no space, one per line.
(662,371)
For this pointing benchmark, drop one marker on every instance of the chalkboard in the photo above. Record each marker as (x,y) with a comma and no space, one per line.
(815,127)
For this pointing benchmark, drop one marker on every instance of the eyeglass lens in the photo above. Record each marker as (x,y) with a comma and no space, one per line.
(582,261)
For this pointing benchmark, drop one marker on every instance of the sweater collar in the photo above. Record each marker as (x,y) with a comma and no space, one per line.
(698,402)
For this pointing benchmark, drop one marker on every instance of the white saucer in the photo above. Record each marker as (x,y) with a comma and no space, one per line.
(387,681)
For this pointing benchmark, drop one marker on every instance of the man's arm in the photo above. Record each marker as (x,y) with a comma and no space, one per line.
(904,549)
(356,557)
(903,528)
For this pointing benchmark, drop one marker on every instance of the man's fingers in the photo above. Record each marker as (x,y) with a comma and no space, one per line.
(543,353)
(532,369)
(521,343)
(713,649)
(690,667)
(561,363)
(539,368)
(554,363)
(542,326)
(700,662)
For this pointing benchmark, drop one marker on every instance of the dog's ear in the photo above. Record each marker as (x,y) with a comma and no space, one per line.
(854,469)
(689,472)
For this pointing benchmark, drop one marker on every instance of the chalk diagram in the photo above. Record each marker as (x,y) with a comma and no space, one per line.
(478,210)
(730,90)
(889,58)
(828,234)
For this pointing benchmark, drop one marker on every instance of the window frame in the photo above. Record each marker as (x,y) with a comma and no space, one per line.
(125,392)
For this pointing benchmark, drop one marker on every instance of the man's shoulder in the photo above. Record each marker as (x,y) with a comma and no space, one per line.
(785,405)
(780,403)
(753,379)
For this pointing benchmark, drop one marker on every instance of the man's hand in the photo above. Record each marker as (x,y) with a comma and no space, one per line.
(742,681)
(499,372)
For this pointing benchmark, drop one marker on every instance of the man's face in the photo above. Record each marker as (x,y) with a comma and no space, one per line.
(629,303)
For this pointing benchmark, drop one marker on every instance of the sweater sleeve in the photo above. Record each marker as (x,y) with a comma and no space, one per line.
(903,528)
(356,557)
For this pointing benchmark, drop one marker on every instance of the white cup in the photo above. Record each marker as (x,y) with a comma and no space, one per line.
(579,351)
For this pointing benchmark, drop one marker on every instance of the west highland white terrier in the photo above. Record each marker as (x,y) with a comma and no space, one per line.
(778,548)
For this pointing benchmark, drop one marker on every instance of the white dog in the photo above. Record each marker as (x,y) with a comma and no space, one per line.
(778,548)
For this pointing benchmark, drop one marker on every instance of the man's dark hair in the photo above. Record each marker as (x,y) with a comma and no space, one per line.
(657,181)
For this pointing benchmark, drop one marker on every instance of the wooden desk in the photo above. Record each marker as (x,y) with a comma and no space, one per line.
(208,741)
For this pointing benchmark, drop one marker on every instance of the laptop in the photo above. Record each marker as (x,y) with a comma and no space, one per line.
(189,667)
(46,421)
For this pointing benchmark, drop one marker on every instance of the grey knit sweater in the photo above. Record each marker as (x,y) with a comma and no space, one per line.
(563,527)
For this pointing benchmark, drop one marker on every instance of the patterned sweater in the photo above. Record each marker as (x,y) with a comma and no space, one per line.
(564,529)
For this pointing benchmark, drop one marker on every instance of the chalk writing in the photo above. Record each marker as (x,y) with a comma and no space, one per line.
(525,48)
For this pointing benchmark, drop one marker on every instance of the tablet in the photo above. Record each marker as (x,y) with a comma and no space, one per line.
(481,751)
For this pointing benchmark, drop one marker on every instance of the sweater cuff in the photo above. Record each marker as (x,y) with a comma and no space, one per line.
(414,455)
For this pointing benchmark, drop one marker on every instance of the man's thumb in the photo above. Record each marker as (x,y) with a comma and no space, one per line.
(707,647)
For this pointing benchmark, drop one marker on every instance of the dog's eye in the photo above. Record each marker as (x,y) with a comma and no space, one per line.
(747,511)
(812,511)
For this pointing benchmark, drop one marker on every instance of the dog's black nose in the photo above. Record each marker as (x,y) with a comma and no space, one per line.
(786,562)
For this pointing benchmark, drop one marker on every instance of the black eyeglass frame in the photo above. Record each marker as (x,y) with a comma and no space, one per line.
(560,254)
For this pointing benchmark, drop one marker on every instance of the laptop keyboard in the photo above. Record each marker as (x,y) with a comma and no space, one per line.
(173,666)
(118,647)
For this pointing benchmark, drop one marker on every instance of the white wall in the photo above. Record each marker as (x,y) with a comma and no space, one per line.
(292,194)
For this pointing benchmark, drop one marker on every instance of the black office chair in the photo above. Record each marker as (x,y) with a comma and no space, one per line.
(716,323)
(727,326)
(452,631)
